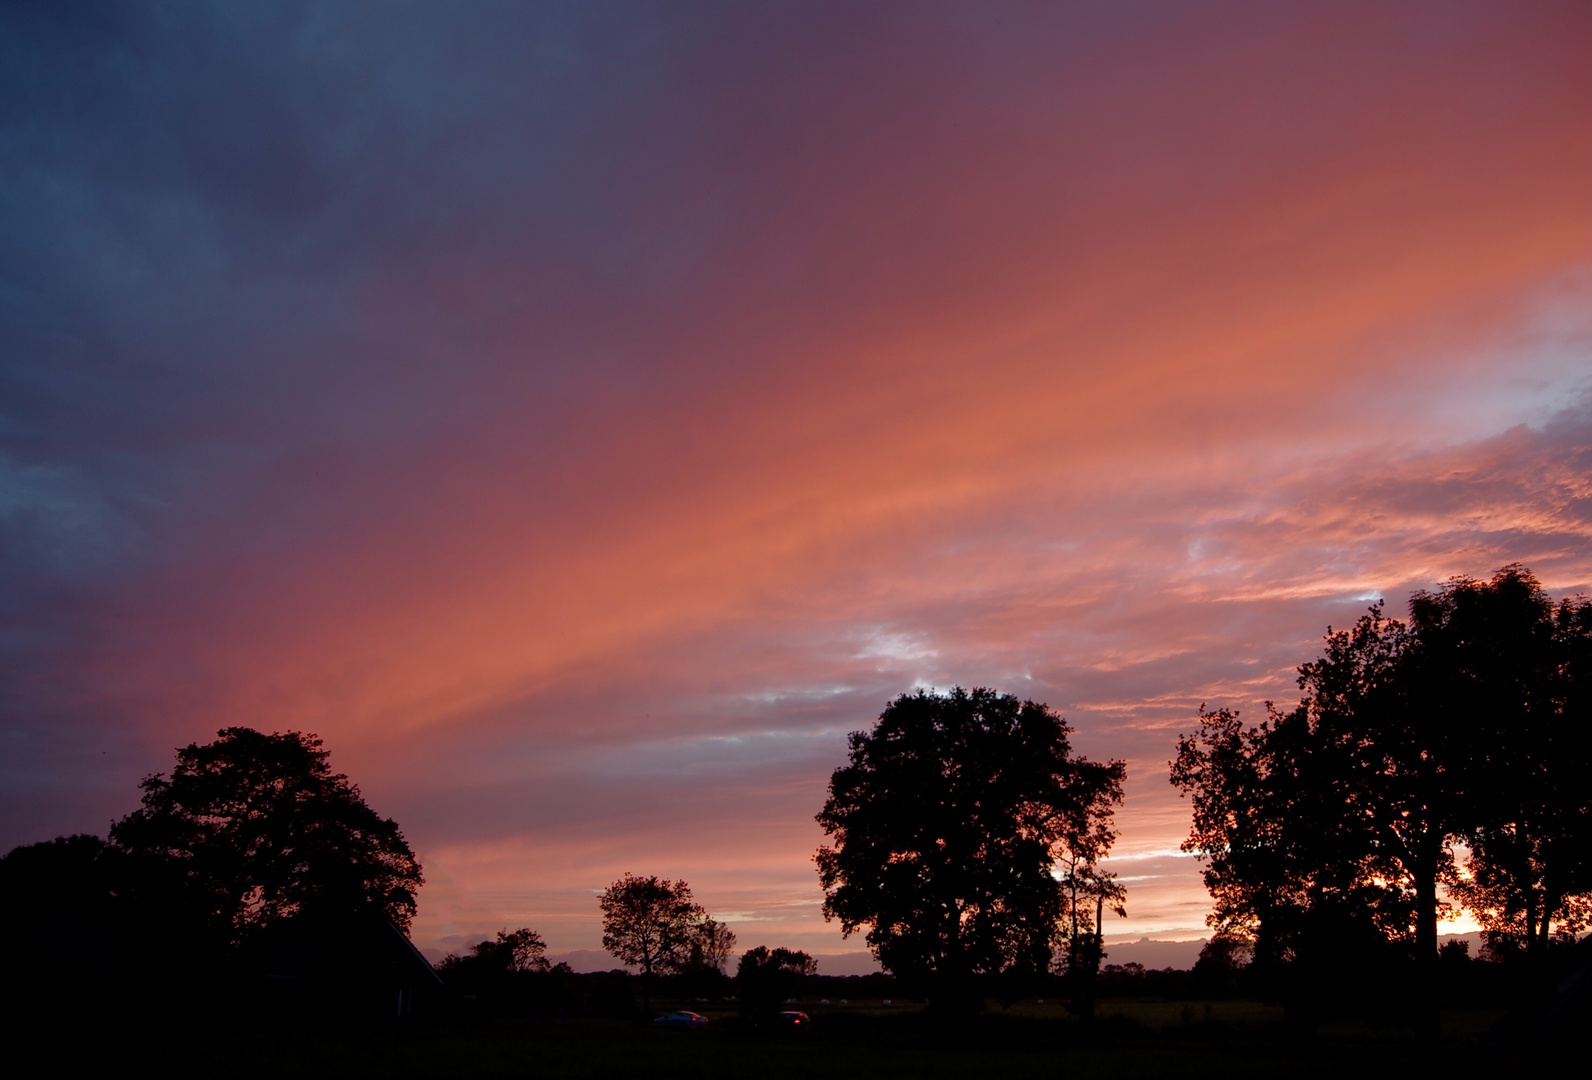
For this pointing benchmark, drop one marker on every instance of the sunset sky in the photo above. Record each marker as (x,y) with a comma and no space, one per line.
(583,415)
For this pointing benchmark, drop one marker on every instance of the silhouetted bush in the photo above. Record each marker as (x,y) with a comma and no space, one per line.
(765,978)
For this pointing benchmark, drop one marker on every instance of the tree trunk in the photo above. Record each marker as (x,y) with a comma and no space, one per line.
(646,985)
(1428,1019)
(1072,887)
(1083,967)
(1426,910)
(1550,904)
(1540,931)
(953,987)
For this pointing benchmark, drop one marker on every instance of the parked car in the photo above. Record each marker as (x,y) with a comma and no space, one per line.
(794,1019)
(682,1018)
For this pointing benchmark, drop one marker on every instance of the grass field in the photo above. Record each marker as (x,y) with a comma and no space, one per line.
(1132,1039)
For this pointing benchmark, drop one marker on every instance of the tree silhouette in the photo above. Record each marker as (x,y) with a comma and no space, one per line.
(1241,841)
(765,978)
(1391,777)
(59,899)
(1295,846)
(1328,830)
(1510,669)
(947,822)
(711,945)
(1088,892)
(252,829)
(651,923)
(512,951)
(1222,962)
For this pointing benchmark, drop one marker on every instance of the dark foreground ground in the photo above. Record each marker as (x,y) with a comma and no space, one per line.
(1133,1039)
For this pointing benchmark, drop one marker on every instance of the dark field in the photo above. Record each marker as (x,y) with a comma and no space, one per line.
(1132,1039)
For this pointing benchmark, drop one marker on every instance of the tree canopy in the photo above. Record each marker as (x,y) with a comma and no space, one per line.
(1299,818)
(253,828)
(1327,830)
(655,924)
(948,822)
(59,900)
(511,951)
(766,977)
(711,946)
(1508,670)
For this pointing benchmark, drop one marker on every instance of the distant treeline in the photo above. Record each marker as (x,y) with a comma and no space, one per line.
(557,993)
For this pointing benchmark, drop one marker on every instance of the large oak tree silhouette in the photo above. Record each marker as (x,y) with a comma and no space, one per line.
(252,829)
(948,822)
